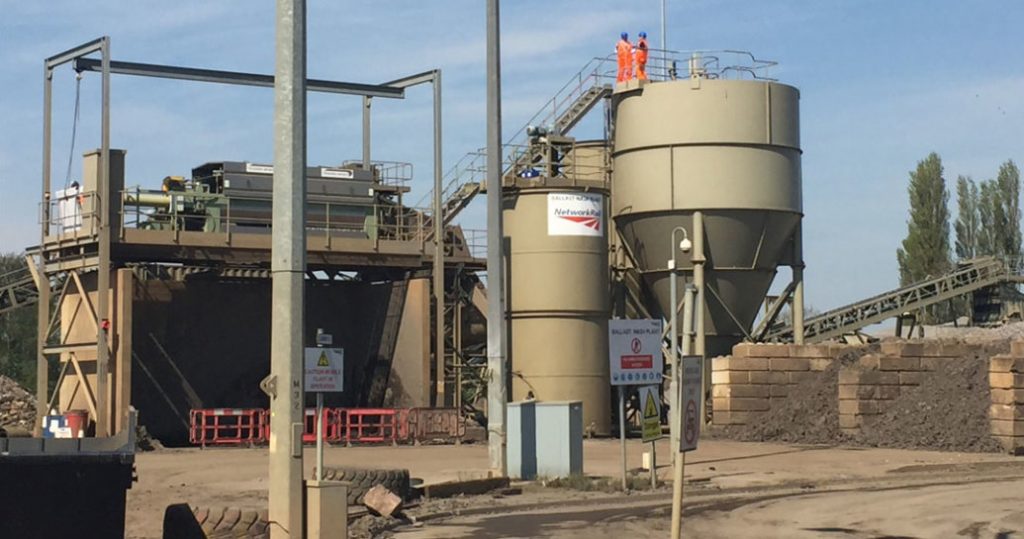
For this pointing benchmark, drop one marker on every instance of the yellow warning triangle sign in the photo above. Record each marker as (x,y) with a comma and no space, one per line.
(650,407)
(323,361)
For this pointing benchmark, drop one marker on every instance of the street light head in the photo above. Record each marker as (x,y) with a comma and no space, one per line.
(685,245)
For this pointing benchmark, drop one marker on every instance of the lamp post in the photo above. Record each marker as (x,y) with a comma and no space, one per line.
(683,245)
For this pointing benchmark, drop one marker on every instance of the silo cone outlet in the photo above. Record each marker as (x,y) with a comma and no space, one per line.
(742,250)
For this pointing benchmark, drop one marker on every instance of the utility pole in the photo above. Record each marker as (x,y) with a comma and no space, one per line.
(497,384)
(288,267)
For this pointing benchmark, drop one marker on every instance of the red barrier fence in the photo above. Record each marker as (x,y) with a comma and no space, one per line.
(433,425)
(228,426)
(225,426)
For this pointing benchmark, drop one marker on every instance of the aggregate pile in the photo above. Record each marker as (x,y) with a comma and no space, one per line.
(809,416)
(17,406)
(948,411)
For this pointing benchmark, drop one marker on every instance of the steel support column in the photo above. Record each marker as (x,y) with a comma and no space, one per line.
(102,207)
(497,385)
(288,264)
(798,280)
(438,246)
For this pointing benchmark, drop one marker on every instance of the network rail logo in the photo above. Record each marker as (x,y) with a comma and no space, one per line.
(575,214)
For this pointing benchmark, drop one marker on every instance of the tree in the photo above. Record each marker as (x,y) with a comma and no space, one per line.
(988,199)
(967,218)
(1008,232)
(17,333)
(925,250)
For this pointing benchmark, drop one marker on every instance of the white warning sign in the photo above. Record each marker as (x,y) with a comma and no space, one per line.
(575,214)
(634,350)
(325,370)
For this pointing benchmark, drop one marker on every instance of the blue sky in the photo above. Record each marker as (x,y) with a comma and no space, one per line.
(882,83)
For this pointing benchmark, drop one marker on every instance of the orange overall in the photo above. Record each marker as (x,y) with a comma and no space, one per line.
(641,58)
(624,49)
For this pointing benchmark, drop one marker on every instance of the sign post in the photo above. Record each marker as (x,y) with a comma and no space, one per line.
(650,404)
(692,375)
(324,373)
(634,354)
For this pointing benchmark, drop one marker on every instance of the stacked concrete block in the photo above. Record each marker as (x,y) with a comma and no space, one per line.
(756,377)
(1006,381)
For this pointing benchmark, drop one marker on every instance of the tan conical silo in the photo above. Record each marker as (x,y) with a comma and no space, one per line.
(558,289)
(729,149)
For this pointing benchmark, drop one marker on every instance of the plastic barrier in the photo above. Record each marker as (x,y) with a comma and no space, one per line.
(228,426)
(375,425)
(235,426)
(444,425)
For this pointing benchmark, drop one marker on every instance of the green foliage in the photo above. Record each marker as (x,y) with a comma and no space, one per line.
(1008,235)
(967,218)
(17,333)
(925,250)
(988,198)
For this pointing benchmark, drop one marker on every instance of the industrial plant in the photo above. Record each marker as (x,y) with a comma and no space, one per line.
(157,306)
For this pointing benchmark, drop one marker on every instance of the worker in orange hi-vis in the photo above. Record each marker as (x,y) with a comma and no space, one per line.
(641,56)
(624,50)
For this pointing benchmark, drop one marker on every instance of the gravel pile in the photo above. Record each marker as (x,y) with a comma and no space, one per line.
(809,415)
(948,411)
(17,406)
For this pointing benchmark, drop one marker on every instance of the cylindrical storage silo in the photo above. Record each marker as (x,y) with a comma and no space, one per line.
(730,149)
(558,297)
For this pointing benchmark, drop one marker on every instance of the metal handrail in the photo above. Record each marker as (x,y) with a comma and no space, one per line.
(662,65)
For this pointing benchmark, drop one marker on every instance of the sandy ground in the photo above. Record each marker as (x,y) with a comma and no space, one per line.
(237,477)
(921,501)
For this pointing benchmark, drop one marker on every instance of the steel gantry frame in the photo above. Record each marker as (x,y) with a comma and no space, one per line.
(53,247)
(437,234)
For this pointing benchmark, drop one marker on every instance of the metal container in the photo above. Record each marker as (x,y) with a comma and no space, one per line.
(545,439)
(558,296)
(730,149)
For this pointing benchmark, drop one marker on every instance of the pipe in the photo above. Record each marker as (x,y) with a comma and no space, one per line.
(367,103)
(497,386)
(287,266)
(699,281)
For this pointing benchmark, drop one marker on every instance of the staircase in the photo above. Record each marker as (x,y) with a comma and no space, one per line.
(17,289)
(968,277)
(562,112)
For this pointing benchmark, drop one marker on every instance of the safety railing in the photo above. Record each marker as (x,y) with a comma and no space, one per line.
(601,71)
(393,173)
(70,214)
(186,211)
(228,426)
(476,241)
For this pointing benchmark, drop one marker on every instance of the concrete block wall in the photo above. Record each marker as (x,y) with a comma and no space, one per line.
(756,377)
(1006,414)
(867,387)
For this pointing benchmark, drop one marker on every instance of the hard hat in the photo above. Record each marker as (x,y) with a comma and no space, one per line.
(624,35)
(643,35)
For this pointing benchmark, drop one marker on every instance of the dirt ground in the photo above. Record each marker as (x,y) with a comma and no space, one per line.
(237,477)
